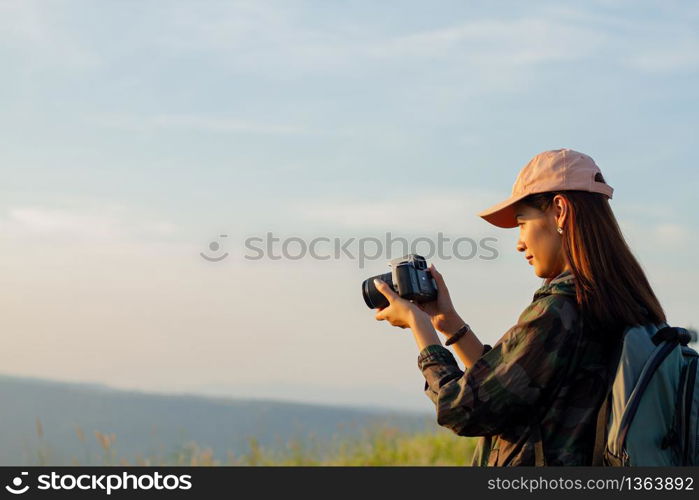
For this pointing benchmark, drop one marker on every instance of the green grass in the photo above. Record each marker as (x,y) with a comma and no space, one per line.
(379,446)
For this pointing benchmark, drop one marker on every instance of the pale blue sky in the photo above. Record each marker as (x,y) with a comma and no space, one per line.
(134,132)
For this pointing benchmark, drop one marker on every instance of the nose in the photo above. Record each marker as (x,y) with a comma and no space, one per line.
(520,246)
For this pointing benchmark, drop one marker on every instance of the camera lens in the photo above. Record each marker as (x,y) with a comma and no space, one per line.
(372,296)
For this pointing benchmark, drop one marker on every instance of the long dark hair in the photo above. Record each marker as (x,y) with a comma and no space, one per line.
(612,289)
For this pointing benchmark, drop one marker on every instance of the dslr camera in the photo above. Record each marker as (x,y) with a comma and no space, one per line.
(409,278)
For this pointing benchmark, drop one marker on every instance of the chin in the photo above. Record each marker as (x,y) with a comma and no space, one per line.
(547,276)
(542,273)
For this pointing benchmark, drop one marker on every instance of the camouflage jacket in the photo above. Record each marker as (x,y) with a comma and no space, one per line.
(539,383)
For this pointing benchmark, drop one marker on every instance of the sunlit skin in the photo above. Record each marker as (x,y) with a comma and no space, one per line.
(538,239)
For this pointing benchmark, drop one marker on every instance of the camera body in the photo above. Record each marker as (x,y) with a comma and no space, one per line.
(409,278)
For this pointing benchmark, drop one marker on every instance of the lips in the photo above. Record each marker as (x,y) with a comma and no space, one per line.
(529,259)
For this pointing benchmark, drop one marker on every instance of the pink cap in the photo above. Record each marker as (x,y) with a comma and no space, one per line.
(556,170)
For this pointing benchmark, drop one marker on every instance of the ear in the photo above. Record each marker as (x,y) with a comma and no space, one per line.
(560,209)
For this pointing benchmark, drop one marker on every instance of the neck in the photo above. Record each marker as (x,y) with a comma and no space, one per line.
(565,268)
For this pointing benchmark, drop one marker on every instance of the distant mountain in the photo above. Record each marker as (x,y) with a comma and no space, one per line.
(54,423)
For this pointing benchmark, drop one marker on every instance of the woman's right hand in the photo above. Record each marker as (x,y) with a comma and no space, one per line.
(441,311)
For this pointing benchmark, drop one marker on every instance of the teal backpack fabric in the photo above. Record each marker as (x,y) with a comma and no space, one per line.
(650,415)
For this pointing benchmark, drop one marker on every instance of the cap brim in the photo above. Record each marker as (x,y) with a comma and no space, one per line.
(503,214)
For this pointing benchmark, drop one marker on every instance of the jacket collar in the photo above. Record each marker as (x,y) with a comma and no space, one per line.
(563,284)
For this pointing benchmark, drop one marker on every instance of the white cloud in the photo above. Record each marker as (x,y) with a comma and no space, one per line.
(657,223)
(644,209)
(680,55)
(202,122)
(671,234)
(261,39)
(32,30)
(487,54)
(560,35)
(39,220)
(96,224)
(501,42)
(491,52)
(454,211)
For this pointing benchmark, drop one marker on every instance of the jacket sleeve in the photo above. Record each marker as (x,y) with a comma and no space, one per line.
(506,383)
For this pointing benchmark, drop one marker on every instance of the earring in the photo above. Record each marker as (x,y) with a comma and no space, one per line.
(560,230)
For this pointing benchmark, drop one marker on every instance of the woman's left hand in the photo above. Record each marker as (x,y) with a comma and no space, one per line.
(398,312)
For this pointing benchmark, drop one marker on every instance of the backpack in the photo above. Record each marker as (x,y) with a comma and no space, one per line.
(649,416)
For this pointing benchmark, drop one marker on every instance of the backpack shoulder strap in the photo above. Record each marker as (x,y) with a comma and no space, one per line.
(605,409)
(601,433)
(539,457)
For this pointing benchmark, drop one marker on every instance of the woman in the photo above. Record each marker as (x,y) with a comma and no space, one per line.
(535,394)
